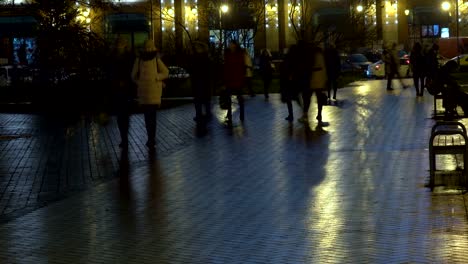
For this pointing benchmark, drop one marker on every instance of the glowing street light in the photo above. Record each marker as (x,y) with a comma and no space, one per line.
(446,6)
(224,8)
(359,8)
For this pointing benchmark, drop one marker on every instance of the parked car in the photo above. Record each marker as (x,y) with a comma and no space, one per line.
(463,59)
(9,72)
(5,75)
(356,62)
(441,59)
(373,55)
(377,69)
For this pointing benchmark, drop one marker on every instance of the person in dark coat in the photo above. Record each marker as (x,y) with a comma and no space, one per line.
(452,93)
(122,87)
(288,85)
(234,77)
(417,63)
(333,63)
(301,73)
(266,71)
(392,66)
(200,73)
(432,64)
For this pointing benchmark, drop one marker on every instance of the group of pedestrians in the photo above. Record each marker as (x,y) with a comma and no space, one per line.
(424,65)
(306,70)
(138,81)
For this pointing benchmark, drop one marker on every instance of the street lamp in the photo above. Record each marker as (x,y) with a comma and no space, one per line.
(359,8)
(446,7)
(222,9)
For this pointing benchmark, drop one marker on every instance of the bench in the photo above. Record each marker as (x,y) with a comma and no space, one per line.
(447,137)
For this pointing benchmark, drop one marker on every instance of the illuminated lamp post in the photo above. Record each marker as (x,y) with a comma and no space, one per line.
(223,9)
(446,7)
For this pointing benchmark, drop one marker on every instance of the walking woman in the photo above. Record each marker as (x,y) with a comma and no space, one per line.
(234,77)
(266,70)
(149,72)
(417,62)
(318,80)
(120,68)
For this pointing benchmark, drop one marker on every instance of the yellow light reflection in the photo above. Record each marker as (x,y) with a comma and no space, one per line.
(364,90)
(325,216)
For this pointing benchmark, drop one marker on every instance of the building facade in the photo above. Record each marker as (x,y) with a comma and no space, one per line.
(256,24)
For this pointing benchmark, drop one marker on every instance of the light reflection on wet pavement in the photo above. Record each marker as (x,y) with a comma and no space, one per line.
(266,191)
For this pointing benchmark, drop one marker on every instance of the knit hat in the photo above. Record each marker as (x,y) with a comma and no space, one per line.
(149,45)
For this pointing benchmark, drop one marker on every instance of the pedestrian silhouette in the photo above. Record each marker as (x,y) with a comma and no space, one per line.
(234,78)
(266,70)
(249,74)
(301,76)
(333,63)
(318,79)
(149,72)
(417,63)
(288,81)
(392,67)
(200,70)
(123,90)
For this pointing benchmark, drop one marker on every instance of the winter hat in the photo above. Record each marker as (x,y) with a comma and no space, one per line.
(149,45)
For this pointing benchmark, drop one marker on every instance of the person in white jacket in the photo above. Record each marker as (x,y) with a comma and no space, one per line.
(148,73)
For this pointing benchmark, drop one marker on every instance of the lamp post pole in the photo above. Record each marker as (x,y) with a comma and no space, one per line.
(446,7)
(457,25)
(222,9)
(220,28)
(151,19)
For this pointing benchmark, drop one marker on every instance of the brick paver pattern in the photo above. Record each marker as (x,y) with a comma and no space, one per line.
(265,191)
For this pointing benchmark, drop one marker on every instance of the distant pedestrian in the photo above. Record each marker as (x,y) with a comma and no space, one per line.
(266,70)
(417,63)
(149,71)
(301,72)
(452,93)
(318,79)
(333,62)
(432,63)
(123,89)
(288,85)
(200,70)
(393,62)
(234,78)
(249,74)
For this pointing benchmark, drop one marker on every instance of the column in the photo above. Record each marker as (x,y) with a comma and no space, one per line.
(179,22)
(282,24)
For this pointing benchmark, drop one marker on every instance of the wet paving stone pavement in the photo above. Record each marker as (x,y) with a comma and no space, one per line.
(265,191)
